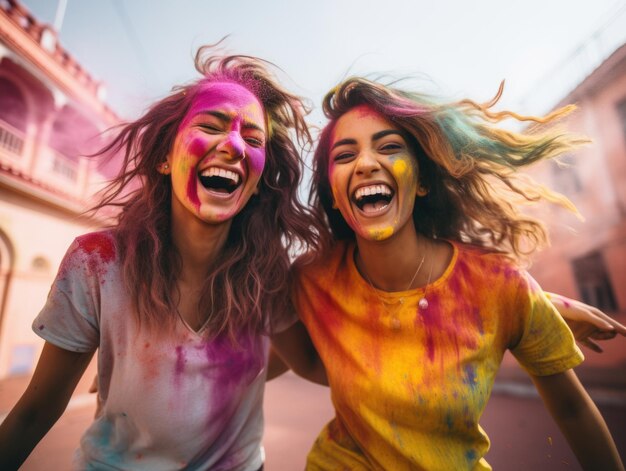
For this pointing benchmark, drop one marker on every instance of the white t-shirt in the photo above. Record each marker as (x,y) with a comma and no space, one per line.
(174,401)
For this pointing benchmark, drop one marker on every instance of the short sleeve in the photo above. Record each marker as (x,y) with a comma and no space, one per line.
(70,317)
(546,346)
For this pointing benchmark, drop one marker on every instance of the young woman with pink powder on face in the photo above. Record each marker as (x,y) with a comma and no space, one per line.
(183,295)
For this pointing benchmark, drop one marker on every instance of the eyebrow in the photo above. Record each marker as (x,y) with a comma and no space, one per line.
(224,117)
(375,137)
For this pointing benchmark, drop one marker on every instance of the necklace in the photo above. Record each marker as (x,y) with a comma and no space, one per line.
(395,322)
(423,302)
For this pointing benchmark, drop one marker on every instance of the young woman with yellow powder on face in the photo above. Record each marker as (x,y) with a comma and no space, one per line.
(417,291)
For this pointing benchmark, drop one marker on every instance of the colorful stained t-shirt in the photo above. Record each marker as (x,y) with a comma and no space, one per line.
(171,402)
(408,384)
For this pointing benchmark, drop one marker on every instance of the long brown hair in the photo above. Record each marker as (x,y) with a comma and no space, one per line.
(467,163)
(249,281)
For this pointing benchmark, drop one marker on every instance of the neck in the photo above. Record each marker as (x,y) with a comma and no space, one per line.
(391,264)
(198,245)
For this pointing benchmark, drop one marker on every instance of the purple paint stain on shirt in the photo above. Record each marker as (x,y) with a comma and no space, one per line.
(41,327)
(233,367)
(470,376)
(180,363)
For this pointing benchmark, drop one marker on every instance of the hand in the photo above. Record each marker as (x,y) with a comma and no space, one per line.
(587,323)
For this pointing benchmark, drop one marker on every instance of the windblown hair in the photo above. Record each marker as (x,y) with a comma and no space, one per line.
(467,163)
(248,283)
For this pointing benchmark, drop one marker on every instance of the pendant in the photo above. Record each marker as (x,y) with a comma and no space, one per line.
(395,323)
(423,303)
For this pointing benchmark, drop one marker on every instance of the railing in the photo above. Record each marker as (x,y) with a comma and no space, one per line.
(11,139)
(65,167)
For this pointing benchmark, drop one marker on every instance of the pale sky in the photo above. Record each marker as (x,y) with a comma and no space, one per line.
(458,48)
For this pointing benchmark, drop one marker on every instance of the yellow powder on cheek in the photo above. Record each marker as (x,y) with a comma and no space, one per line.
(400,168)
(381,234)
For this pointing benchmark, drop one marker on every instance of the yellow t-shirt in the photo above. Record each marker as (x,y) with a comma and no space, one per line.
(409,384)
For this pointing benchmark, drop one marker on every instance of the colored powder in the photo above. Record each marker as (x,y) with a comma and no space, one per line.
(192,190)
(381,234)
(98,243)
(399,168)
(198,147)
(180,361)
(98,250)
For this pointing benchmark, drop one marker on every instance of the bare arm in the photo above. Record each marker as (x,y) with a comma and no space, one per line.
(586,322)
(579,420)
(275,366)
(296,350)
(46,397)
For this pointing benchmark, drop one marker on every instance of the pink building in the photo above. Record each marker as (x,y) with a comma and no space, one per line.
(587,259)
(51,112)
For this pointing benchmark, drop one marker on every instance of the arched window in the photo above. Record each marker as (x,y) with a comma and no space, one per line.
(13,109)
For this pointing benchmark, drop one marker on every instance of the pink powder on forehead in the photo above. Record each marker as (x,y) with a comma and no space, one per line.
(366,111)
(214,95)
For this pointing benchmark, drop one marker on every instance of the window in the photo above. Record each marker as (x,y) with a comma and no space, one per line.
(13,108)
(65,167)
(593,282)
(13,117)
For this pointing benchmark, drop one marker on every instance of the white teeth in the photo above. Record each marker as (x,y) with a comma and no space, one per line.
(372,190)
(220,172)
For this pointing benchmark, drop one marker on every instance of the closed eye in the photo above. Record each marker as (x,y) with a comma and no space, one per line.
(210,128)
(254,142)
(343,157)
(391,147)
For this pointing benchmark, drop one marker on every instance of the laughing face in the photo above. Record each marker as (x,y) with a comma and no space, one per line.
(218,154)
(373,174)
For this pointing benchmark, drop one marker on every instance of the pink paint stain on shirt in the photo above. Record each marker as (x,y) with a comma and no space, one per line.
(98,243)
(179,369)
(93,252)
(180,360)
(326,309)
(431,323)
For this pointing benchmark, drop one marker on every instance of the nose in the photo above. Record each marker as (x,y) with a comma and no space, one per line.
(366,163)
(233,145)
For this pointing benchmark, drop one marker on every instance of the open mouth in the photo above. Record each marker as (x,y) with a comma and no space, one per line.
(220,180)
(373,198)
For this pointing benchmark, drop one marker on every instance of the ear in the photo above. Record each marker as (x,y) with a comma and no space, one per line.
(421,190)
(164,168)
